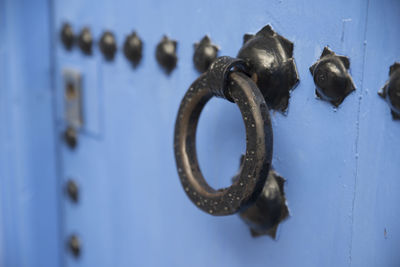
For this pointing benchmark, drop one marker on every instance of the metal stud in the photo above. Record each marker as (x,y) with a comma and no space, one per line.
(85,41)
(331,77)
(67,36)
(166,54)
(70,137)
(391,91)
(204,54)
(133,47)
(74,245)
(108,45)
(270,208)
(72,190)
(269,60)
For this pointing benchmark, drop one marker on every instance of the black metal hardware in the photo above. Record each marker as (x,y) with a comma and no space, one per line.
(220,81)
(391,91)
(257,191)
(108,45)
(73,190)
(133,47)
(74,245)
(166,54)
(204,54)
(85,41)
(331,77)
(70,137)
(269,61)
(67,36)
(270,209)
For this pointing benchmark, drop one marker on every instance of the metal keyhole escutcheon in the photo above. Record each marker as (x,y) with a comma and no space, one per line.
(236,87)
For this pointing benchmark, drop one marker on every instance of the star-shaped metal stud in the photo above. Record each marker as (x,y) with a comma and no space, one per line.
(269,60)
(108,45)
(391,90)
(166,54)
(204,54)
(133,47)
(270,209)
(331,77)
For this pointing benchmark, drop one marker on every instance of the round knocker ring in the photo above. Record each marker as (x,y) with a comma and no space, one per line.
(236,87)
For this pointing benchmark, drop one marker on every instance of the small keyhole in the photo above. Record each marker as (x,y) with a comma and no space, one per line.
(70,91)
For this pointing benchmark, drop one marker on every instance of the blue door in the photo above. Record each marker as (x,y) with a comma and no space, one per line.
(340,163)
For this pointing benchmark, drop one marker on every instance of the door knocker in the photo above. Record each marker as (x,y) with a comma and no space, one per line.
(256,192)
(236,87)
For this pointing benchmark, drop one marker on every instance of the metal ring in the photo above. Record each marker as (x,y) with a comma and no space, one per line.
(257,161)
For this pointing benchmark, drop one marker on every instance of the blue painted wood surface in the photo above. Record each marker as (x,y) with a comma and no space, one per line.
(341,165)
(29,190)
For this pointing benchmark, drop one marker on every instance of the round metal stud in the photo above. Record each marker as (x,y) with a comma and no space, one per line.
(73,190)
(391,91)
(166,54)
(133,47)
(204,54)
(108,45)
(70,137)
(67,36)
(74,245)
(85,41)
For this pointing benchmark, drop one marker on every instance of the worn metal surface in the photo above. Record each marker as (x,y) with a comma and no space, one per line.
(340,164)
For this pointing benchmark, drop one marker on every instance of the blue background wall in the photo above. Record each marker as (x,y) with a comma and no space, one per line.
(340,164)
(29,191)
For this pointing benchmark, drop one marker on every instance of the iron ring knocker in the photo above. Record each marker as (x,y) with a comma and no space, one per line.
(236,87)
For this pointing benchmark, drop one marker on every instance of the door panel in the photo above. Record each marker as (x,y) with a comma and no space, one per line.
(375,217)
(133,211)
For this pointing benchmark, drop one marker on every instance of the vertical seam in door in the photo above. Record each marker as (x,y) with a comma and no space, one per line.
(358,132)
(14,256)
(58,167)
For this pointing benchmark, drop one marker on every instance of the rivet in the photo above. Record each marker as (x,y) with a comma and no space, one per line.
(108,45)
(67,36)
(166,54)
(70,137)
(270,64)
(74,245)
(73,190)
(85,41)
(204,54)
(391,91)
(133,47)
(331,77)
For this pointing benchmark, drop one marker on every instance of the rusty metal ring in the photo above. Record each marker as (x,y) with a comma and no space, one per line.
(244,92)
